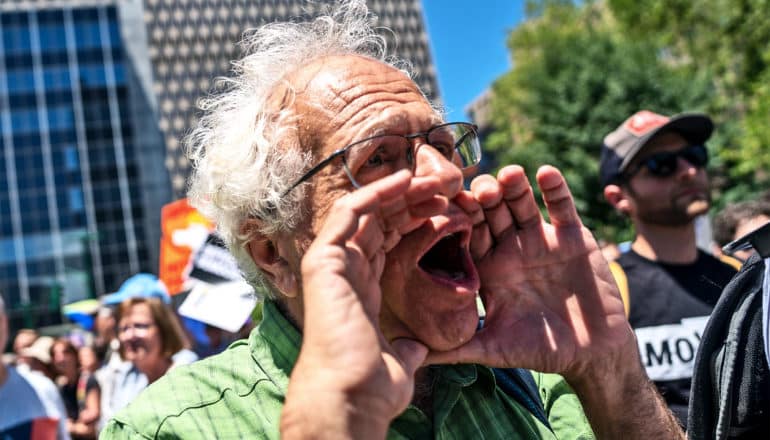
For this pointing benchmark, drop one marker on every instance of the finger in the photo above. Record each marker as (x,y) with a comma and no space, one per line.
(411,217)
(557,197)
(410,352)
(420,190)
(489,194)
(342,221)
(419,202)
(369,237)
(519,197)
(465,201)
(470,352)
(481,237)
(392,238)
(481,241)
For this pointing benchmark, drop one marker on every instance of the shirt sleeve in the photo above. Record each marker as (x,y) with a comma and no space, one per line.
(562,405)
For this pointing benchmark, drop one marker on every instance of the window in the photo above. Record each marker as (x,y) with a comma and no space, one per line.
(60,118)
(16,39)
(20,80)
(75,196)
(87,34)
(56,78)
(52,37)
(93,75)
(71,162)
(24,121)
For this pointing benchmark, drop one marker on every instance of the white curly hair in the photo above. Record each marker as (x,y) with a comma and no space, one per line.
(245,154)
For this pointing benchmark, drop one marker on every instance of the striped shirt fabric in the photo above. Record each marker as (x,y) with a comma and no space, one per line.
(239,393)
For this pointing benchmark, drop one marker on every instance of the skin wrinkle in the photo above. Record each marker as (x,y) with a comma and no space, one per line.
(393,100)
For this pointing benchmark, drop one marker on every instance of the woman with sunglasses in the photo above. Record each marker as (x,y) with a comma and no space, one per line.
(653,170)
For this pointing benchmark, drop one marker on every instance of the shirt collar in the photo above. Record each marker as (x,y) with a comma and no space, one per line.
(275,344)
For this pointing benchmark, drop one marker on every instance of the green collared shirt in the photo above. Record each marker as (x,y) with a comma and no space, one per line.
(240,392)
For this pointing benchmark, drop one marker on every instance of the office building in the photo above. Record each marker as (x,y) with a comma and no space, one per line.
(81,174)
(193,41)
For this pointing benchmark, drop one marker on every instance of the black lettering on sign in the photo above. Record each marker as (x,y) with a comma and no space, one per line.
(684,350)
(659,358)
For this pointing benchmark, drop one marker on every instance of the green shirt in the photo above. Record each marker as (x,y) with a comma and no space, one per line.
(239,394)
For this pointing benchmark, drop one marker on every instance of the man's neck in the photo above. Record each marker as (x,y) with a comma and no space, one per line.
(669,244)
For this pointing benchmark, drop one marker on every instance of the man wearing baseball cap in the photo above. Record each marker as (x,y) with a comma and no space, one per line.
(653,170)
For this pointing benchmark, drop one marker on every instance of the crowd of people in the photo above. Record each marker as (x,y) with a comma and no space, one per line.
(338,188)
(83,377)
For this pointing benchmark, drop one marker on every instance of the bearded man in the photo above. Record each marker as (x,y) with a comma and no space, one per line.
(653,169)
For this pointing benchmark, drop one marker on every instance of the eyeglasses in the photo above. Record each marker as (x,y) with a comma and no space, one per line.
(666,164)
(378,156)
(137,327)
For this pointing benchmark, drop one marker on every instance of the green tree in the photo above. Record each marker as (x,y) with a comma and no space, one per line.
(731,40)
(576,76)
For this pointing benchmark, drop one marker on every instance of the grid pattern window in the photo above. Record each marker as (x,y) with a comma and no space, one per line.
(67,150)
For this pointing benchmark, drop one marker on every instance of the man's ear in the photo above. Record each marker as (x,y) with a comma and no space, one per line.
(267,256)
(616,197)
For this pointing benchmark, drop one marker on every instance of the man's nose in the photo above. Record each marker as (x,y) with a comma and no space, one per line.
(685,169)
(431,162)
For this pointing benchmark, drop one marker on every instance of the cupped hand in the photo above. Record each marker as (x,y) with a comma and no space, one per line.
(551,302)
(344,359)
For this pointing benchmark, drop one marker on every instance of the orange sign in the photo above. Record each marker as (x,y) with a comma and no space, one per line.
(183,231)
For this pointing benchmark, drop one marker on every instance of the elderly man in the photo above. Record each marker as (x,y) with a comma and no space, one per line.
(334,180)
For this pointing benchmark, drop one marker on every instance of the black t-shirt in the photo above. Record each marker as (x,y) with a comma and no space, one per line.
(669,307)
(74,400)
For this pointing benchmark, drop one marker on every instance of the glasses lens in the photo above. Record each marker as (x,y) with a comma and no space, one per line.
(662,165)
(378,157)
(696,155)
(666,164)
(467,145)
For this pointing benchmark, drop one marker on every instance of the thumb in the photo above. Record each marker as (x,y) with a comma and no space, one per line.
(410,352)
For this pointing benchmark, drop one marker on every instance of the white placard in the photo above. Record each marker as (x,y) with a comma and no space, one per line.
(223,305)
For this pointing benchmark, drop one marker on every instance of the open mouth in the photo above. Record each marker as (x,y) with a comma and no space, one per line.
(449,261)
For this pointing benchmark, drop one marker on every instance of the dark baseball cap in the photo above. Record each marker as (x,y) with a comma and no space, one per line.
(622,145)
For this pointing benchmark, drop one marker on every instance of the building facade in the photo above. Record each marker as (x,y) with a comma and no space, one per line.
(80,182)
(193,41)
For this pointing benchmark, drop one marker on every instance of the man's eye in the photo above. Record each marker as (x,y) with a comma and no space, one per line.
(390,151)
(377,158)
(444,147)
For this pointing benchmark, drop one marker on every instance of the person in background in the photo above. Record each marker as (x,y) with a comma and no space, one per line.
(106,342)
(737,220)
(30,405)
(37,357)
(653,171)
(79,390)
(335,180)
(24,338)
(150,337)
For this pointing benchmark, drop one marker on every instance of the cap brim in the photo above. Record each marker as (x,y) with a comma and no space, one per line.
(696,128)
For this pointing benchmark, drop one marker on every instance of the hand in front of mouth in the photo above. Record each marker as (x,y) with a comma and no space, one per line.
(551,303)
(345,361)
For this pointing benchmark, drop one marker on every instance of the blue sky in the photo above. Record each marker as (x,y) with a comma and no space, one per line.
(467,40)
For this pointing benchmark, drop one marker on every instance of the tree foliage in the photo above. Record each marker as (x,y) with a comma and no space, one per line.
(581,68)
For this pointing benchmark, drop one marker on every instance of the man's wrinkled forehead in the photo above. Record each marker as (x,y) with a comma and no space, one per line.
(334,89)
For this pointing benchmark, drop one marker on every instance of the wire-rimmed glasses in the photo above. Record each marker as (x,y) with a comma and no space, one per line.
(381,155)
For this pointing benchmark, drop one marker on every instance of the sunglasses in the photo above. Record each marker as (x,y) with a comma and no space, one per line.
(666,164)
